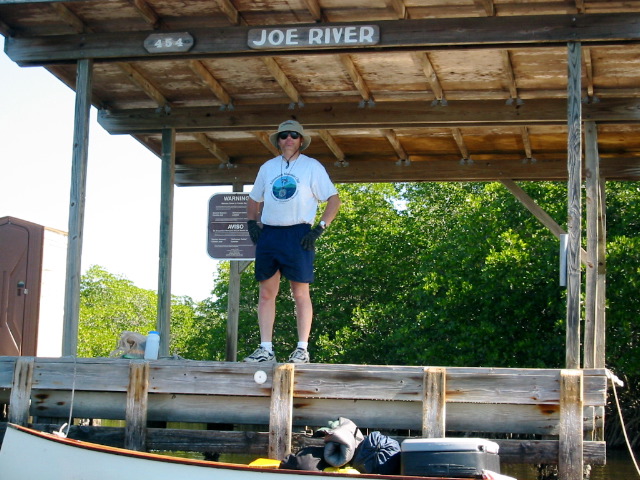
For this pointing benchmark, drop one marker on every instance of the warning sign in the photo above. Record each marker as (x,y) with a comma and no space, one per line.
(228,238)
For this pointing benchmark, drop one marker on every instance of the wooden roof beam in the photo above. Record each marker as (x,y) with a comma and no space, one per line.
(231,12)
(283,81)
(422,60)
(315,10)
(399,7)
(207,77)
(526,141)
(70,18)
(328,139)
(212,147)
(147,12)
(357,79)
(384,115)
(395,143)
(511,78)
(457,136)
(395,35)
(486,7)
(145,84)
(264,139)
(588,68)
(5,29)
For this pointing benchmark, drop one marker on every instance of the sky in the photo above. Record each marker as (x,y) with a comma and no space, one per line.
(122,210)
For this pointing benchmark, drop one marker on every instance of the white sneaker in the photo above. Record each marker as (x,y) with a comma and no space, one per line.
(299,355)
(260,355)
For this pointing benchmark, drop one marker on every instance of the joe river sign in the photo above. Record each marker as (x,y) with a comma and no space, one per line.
(329,36)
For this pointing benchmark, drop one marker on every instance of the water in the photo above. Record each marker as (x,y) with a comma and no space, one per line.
(619,467)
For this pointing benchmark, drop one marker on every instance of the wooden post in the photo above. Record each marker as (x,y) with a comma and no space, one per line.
(135,433)
(434,402)
(19,400)
(601,298)
(281,412)
(166,239)
(233,304)
(574,208)
(570,454)
(593,200)
(76,207)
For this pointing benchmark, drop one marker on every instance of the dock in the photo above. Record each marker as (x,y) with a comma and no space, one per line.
(535,415)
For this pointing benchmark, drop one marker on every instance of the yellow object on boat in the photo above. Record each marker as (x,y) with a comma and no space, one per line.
(265,463)
(341,470)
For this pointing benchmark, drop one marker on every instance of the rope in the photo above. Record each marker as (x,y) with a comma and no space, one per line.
(624,430)
(60,433)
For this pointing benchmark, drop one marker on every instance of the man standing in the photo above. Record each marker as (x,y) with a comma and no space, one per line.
(285,196)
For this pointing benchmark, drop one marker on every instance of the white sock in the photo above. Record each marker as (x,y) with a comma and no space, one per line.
(267,346)
(303,345)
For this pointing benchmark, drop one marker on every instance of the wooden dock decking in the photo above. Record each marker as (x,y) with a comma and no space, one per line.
(564,409)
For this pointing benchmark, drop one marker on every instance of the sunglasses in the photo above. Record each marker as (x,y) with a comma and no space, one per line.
(284,135)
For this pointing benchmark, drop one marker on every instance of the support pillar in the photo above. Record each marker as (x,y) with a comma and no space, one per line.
(76,207)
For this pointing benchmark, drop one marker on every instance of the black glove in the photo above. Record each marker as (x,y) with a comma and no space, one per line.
(254,231)
(308,242)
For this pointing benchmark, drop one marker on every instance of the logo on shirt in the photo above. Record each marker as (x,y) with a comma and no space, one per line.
(284,187)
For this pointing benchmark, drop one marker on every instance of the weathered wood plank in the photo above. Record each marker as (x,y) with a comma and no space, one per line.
(80,158)
(570,441)
(503,31)
(574,205)
(526,386)
(434,402)
(21,391)
(281,412)
(135,437)
(317,116)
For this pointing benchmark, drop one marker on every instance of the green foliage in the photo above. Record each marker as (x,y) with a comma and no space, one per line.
(110,305)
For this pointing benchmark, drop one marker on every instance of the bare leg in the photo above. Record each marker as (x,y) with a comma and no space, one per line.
(304,309)
(267,306)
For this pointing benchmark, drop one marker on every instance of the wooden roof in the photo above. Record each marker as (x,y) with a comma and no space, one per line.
(451,89)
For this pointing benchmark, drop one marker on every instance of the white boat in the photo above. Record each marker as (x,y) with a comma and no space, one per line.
(28,454)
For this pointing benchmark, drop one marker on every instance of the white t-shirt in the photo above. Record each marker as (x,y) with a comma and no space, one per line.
(291,193)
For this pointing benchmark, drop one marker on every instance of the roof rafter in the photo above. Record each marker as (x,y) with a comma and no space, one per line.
(395,143)
(147,12)
(264,139)
(422,60)
(212,147)
(457,136)
(524,132)
(511,78)
(486,7)
(283,80)
(399,7)
(231,12)
(328,139)
(356,77)
(207,77)
(144,83)
(315,10)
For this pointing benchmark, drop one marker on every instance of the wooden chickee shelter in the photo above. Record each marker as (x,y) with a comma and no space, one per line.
(390,91)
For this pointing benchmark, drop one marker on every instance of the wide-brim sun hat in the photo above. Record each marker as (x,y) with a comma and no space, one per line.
(290,126)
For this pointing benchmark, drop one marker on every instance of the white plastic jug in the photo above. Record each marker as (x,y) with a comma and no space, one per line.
(152,346)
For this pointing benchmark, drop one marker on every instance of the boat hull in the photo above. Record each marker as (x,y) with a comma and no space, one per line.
(27,454)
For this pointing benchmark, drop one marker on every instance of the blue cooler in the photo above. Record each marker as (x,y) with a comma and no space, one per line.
(449,457)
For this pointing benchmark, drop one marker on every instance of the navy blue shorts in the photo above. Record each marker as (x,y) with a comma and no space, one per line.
(279,248)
